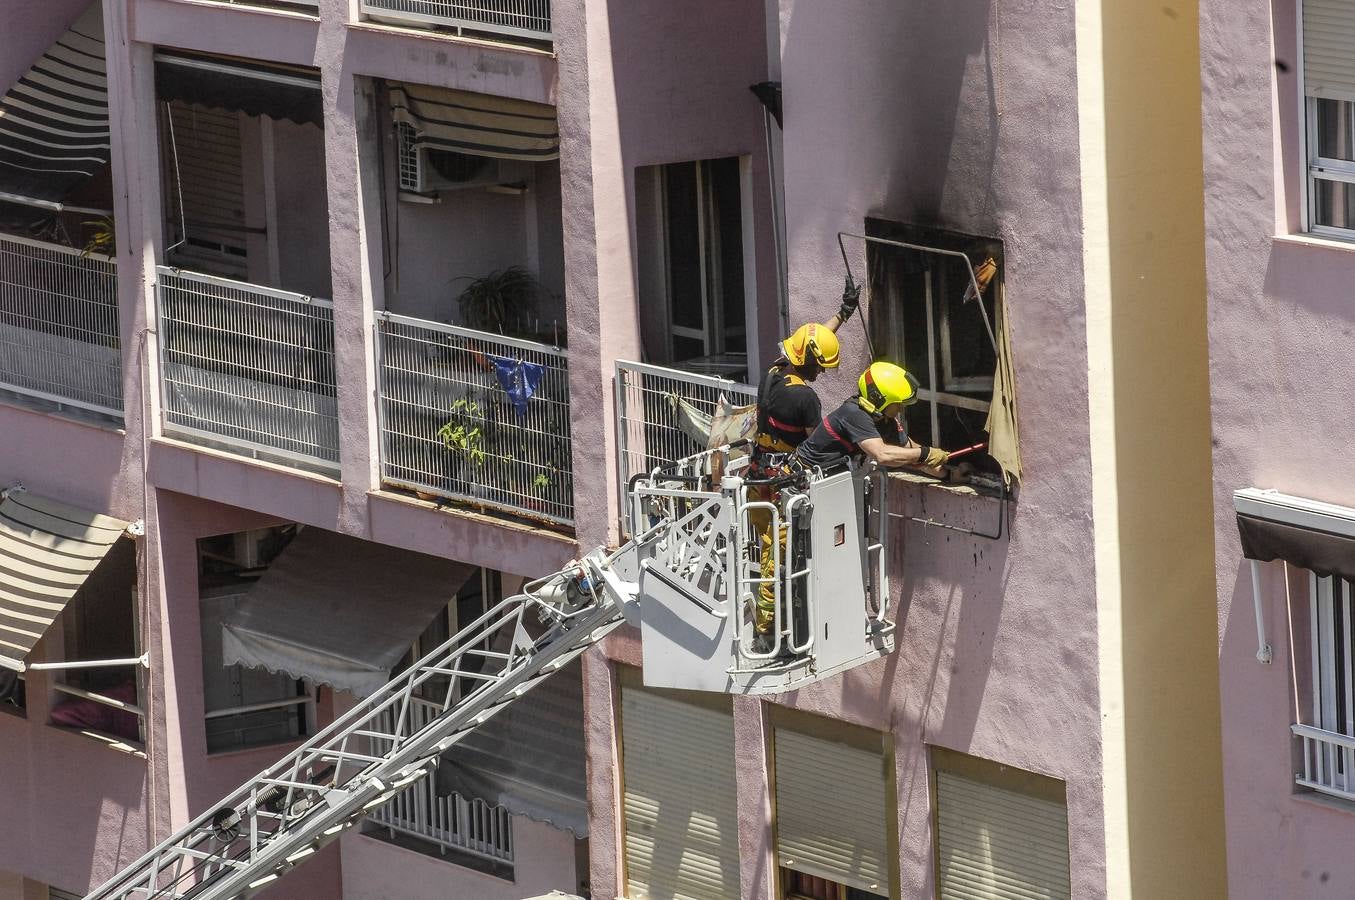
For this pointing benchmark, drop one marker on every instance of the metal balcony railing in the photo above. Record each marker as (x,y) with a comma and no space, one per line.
(1328,762)
(449,427)
(519,18)
(248,367)
(649,433)
(452,822)
(59,326)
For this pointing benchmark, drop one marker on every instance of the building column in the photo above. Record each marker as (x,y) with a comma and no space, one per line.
(353,193)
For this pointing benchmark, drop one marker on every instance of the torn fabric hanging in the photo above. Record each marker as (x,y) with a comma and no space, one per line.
(518,379)
(1003,440)
(476,124)
(54,131)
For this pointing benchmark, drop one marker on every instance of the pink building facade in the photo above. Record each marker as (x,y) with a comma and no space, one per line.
(1052,654)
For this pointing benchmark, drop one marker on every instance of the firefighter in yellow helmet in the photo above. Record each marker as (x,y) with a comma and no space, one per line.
(787,411)
(867,425)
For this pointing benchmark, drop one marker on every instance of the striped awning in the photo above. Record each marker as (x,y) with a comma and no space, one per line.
(476,124)
(47,550)
(54,129)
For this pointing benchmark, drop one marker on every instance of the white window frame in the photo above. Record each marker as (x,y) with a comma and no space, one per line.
(1328,739)
(1324,168)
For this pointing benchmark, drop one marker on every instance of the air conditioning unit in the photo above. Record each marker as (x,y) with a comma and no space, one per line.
(424,170)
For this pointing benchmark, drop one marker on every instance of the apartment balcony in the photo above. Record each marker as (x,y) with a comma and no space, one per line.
(664,415)
(59,339)
(475,417)
(248,368)
(450,824)
(528,19)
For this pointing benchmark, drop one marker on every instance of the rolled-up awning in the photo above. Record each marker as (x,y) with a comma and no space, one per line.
(1306,533)
(338,610)
(476,124)
(47,550)
(54,131)
(529,757)
(258,88)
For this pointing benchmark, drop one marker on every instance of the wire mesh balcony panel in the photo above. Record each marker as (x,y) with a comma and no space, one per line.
(248,367)
(59,326)
(520,18)
(449,428)
(452,822)
(647,421)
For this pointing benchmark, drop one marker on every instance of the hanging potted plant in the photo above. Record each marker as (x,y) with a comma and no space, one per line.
(502,302)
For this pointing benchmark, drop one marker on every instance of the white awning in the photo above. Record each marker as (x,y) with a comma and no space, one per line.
(338,610)
(529,758)
(47,550)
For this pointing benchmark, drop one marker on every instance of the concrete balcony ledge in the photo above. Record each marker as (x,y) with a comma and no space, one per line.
(273,35)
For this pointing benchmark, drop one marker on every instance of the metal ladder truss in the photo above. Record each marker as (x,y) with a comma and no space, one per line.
(287,812)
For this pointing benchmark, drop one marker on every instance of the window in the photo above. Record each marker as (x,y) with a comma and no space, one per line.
(691,251)
(834,808)
(997,825)
(245,706)
(1327,738)
(1329,96)
(923,316)
(100,624)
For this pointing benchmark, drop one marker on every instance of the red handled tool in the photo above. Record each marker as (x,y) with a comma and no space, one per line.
(955,453)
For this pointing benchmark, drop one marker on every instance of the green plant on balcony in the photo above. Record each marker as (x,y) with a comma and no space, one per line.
(463,433)
(503,302)
(102,237)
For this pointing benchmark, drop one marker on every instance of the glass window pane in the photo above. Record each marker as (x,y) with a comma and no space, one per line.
(1333,126)
(1333,203)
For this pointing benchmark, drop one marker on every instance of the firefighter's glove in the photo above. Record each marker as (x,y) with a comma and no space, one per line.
(851,299)
(932,457)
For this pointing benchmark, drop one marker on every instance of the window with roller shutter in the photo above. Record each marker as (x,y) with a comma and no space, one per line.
(679,812)
(1000,832)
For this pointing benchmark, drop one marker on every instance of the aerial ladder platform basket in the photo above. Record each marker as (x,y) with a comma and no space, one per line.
(688,578)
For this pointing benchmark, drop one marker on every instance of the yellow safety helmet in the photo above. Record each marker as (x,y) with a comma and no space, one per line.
(812,342)
(885,383)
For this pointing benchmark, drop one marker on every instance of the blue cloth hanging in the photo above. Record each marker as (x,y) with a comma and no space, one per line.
(518,379)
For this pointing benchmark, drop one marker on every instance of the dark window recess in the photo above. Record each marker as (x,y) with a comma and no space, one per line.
(691,261)
(920,319)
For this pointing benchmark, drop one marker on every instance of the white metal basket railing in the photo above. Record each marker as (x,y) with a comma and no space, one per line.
(453,822)
(248,367)
(647,431)
(59,326)
(1328,762)
(449,428)
(520,18)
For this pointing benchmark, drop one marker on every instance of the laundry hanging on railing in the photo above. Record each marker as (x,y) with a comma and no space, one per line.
(518,379)
(729,424)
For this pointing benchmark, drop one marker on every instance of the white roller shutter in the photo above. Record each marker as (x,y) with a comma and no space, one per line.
(997,843)
(1329,49)
(831,803)
(679,807)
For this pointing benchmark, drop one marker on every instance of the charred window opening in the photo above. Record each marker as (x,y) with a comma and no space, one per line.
(923,316)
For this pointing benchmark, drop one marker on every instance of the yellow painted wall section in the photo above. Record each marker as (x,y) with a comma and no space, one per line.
(1139,87)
